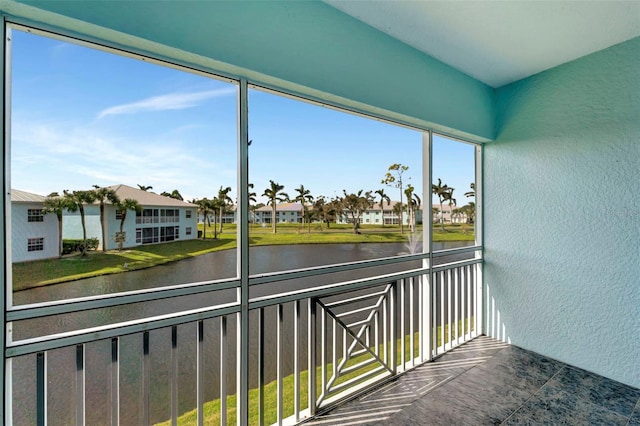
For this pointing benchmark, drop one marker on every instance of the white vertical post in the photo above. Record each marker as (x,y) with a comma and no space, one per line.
(479,231)
(242,341)
(426,301)
(279,356)
(296,360)
(5,229)
(311,353)
(223,370)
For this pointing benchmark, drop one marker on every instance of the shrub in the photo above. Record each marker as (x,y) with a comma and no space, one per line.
(71,246)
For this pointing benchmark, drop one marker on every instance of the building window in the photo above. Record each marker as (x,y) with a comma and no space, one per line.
(119,214)
(187,230)
(35,215)
(35,244)
(188,213)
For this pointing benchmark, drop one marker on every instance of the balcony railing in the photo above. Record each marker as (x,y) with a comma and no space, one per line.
(310,348)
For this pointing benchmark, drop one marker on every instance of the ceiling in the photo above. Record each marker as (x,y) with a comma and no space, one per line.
(498,42)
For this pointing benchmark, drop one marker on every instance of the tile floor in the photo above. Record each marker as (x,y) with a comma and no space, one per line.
(486,382)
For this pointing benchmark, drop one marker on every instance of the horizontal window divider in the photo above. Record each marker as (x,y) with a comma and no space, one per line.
(355,299)
(66,306)
(75,337)
(446,266)
(329,269)
(333,289)
(449,252)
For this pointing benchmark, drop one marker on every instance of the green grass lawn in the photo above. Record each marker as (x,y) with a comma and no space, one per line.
(52,271)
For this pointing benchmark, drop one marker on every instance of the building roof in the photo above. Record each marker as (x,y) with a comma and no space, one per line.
(18,196)
(283,207)
(146,198)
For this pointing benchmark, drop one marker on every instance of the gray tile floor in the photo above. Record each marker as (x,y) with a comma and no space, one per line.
(485,382)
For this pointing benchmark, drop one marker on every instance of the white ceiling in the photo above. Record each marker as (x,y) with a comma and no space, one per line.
(499,42)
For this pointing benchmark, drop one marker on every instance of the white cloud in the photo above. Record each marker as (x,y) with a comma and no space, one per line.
(171,101)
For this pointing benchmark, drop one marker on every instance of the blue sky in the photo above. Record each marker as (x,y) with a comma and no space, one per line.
(82,117)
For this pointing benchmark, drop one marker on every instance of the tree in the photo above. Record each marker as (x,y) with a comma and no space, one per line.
(394,178)
(124,206)
(398,209)
(413,204)
(56,204)
(275,194)
(252,203)
(354,204)
(175,194)
(144,188)
(383,197)
(223,201)
(102,195)
(304,196)
(76,201)
(471,193)
(452,201)
(204,208)
(469,210)
(440,190)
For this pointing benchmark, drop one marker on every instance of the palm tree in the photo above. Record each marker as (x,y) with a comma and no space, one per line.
(175,194)
(76,201)
(102,194)
(144,188)
(223,202)
(54,203)
(383,197)
(398,209)
(124,206)
(471,193)
(413,204)
(274,194)
(204,207)
(304,196)
(394,178)
(452,201)
(252,203)
(440,190)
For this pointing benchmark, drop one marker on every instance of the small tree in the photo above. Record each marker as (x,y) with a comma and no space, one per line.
(394,178)
(144,187)
(354,204)
(56,204)
(275,195)
(175,194)
(413,204)
(124,206)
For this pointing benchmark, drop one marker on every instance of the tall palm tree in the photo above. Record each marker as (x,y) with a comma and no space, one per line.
(452,201)
(204,208)
(440,190)
(275,195)
(56,204)
(383,197)
(398,209)
(144,187)
(413,204)
(394,178)
(252,203)
(76,201)
(102,195)
(223,202)
(304,196)
(124,206)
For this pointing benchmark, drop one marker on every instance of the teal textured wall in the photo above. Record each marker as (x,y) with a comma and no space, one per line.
(562,214)
(303,47)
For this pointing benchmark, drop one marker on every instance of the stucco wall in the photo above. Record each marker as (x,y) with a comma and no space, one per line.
(22,230)
(562,214)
